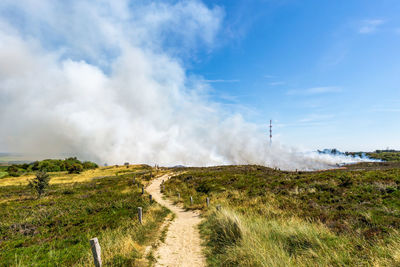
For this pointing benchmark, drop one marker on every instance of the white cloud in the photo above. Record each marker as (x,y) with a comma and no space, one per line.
(101,80)
(222,81)
(315,90)
(276,83)
(370,26)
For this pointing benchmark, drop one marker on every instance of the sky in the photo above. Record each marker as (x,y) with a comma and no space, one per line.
(196,82)
(326,72)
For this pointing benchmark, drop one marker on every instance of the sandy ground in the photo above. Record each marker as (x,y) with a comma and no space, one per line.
(182,246)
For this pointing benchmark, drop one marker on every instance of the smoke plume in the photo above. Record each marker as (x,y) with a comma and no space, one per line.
(106,81)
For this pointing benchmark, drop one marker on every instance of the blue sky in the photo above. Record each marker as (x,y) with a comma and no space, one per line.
(326,72)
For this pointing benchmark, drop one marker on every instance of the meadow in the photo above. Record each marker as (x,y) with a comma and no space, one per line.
(55,229)
(347,217)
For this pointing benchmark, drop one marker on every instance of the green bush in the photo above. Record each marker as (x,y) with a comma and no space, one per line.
(75,168)
(40,183)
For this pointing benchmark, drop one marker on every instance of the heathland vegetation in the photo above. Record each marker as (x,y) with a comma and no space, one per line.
(72,165)
(54,230)
(383,155)
(347,217)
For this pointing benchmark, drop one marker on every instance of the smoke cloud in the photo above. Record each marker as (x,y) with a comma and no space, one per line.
(105,80)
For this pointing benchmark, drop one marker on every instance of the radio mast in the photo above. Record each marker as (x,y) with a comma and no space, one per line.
(270,132)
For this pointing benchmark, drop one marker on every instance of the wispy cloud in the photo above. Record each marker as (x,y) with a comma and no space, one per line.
(313,118)
(268,76)
(370,26)
(222,81)
(315,90)
(276,83)
(385,110)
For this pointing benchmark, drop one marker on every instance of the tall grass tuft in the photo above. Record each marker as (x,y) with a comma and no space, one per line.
(226,230)
(252,240)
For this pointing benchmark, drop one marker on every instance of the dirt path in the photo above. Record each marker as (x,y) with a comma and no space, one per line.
(182,246)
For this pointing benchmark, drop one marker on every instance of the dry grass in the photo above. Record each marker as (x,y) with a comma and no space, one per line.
(55,230)
(64,177)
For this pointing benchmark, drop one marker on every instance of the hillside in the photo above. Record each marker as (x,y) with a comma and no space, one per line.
(55,230)
(275,218)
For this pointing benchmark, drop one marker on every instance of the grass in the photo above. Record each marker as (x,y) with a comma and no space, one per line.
(385,156)
(65,178)
(275,218)
(55,230)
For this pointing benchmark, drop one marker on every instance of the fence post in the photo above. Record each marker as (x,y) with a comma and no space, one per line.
(179,196)
(208,201)
(140,214)
(150,198)
(191,200)
(96,251)
(142,190)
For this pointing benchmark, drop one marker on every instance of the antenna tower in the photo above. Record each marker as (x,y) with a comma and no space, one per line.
(270,132)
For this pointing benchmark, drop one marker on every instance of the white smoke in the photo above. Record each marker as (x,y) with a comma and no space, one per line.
(105,81)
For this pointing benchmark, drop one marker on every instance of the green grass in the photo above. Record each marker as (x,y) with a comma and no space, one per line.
(385,156)
(276,218)
(3,174)
(55,230)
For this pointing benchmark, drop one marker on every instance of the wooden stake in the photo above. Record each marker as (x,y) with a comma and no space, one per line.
(208,201)
(96,251)
(140,214)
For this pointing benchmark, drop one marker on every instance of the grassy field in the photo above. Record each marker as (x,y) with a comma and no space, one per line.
(55,230)
(385,156)
(345,217)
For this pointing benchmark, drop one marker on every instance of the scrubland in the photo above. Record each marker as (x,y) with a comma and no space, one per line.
(268,217)
(55,229)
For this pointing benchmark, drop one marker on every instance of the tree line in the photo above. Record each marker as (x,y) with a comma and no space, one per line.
(72,165)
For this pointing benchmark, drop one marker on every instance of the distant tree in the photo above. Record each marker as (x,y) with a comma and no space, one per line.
(75,168)
(13,171)
(40,182)
(88,165)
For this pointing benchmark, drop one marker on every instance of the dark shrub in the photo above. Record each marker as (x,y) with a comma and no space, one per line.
(40,183)
(75,168)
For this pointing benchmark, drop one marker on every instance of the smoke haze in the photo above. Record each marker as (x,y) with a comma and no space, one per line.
(106,81)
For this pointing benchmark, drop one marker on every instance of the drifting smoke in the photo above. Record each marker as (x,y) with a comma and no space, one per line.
(105,81)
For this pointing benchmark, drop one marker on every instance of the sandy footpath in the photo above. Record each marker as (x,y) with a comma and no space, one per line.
(182,246)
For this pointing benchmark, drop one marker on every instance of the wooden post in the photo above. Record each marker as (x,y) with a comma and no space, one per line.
(96,251)
(150,198)
(142,190)
(208,201)
(191,200)
(179,196)
(140,214)
(218,207)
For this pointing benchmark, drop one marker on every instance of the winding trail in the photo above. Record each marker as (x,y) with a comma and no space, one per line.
(182,246)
